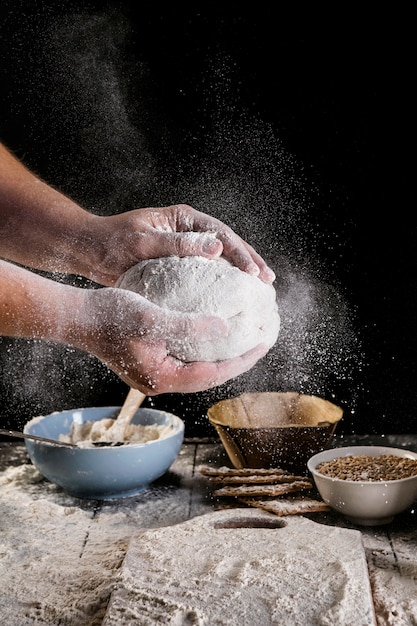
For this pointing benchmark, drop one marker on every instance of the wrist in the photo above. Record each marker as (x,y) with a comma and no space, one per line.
(82,246)
(88,249)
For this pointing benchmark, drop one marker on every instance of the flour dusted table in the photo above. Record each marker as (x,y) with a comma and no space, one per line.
(60,556)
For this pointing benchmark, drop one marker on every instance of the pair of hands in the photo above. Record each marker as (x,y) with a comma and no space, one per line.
(43,229)
(123,324)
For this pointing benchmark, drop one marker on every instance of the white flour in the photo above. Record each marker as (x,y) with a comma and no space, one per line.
(58,561)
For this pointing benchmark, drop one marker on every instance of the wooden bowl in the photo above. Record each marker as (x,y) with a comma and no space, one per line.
(273,429)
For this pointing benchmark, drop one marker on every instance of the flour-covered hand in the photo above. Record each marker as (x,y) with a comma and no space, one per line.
(132,336)
(179,230)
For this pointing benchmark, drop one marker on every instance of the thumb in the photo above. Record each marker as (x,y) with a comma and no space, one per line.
(198,244)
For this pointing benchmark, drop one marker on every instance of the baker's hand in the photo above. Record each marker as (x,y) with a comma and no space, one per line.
(43,229)
(121,241)
(121,328)
(130,336)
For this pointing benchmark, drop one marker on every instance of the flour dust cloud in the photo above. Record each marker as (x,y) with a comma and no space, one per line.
(111,149)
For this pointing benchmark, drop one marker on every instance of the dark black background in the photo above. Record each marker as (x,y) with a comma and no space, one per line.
(335,94)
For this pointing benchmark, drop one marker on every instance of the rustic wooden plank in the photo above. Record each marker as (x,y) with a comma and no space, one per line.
(12,454)
(233,565)
(395,575)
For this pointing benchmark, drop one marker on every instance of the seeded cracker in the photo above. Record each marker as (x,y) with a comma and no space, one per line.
(261,479)
(244,471)
(288,506)
(270,489)
(263,490)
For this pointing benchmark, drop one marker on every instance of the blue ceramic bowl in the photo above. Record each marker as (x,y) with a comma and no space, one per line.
(103,473)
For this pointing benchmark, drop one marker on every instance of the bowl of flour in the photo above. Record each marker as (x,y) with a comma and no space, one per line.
(153,442)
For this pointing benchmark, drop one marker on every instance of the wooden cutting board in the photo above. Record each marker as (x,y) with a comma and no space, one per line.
(244,567)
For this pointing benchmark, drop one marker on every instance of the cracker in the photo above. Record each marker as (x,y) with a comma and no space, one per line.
(288,506)
(262,490)
(244,471)
(259,479)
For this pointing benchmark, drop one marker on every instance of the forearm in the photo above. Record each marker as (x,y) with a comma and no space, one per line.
(43,229)
(34,307)
(39,226)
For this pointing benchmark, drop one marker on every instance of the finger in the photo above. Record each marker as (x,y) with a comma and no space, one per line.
(157,244)
(182,244)
(235,249)
(204,244)
(245,257)
(209,245)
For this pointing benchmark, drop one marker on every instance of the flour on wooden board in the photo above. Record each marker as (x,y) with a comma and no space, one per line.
(52,574)
(238,563)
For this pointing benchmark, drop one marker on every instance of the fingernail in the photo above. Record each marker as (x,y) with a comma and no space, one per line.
(269,275)
(212,246)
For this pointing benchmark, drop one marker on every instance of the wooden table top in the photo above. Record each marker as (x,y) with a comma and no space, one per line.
(101,532)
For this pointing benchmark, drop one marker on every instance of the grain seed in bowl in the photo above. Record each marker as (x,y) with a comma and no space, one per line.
(369,485)
(369,468)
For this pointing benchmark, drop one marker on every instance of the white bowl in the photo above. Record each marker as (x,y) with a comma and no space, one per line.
(104,472)
(364,502)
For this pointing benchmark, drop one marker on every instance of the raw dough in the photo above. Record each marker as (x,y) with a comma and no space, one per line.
(209,287)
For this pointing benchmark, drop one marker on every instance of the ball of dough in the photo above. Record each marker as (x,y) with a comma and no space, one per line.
(209,287)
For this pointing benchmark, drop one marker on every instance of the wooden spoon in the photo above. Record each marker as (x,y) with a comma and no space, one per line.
(118,430)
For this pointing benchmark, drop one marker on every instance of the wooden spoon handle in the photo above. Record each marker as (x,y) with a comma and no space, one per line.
(133,401)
